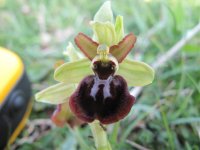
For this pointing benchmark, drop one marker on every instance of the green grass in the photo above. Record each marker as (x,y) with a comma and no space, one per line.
(167,113)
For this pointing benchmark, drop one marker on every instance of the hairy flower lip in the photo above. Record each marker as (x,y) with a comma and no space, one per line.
(104,70)
(107,110)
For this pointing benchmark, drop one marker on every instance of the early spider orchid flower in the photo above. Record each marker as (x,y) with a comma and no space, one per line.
(103,94)
(96,87)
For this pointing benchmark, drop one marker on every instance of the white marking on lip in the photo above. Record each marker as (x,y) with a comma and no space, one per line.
(106,88)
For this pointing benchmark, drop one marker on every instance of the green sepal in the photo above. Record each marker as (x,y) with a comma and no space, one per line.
(104,13)
(71,52)
(104,33)
(136,73)
(73,72)
(119,28)
(55,94)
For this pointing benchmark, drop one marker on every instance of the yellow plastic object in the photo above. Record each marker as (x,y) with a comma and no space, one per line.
(21,124)
(11,69)
(15,94)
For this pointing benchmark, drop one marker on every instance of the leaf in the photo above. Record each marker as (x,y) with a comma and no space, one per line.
(104,33)
(104,13)
(86,45)
(73,72)
(121,50)
(55,94)
(136,73)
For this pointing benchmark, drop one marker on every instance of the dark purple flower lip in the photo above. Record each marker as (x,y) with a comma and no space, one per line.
(103,96)
(104,69)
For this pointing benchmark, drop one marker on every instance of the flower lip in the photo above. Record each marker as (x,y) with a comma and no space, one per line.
(104,69)
(106,100)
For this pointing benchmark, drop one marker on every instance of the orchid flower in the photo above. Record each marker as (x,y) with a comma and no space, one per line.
(96,87)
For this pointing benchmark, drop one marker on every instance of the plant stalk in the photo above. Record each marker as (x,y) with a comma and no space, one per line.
(100,136)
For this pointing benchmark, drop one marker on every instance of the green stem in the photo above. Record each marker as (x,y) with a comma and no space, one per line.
(100,136)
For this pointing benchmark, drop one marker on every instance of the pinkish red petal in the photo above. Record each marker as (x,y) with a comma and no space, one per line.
(86,45)
(121,50)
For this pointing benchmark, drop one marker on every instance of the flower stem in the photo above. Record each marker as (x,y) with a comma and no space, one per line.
(100,136)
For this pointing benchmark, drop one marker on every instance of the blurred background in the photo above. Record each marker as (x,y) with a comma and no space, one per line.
(167,112)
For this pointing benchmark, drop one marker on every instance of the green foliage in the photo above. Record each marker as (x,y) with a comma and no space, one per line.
(166,115)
